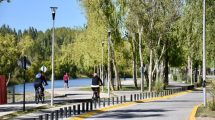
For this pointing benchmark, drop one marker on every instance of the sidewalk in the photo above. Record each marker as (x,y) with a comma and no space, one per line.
(63,97)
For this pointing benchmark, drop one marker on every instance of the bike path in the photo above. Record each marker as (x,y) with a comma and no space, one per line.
(171,108)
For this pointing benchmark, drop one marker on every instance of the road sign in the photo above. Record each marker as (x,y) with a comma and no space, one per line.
(24,62)
(43,68)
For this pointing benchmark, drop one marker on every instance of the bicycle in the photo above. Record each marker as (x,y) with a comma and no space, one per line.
(95,96)
(39,96)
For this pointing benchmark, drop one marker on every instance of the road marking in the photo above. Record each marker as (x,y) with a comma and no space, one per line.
(102,110)
(193,113)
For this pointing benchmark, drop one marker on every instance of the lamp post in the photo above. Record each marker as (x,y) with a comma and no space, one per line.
(53,9)
(103,65)
(24,68)
(109,75)
(204,58)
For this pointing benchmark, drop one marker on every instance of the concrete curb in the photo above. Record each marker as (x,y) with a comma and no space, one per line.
(102,110)
(194,111)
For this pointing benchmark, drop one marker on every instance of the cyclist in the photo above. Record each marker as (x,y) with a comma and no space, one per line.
(96,82)
(39,81)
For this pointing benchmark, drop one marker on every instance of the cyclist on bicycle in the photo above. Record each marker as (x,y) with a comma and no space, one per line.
(96,82)
(39,81)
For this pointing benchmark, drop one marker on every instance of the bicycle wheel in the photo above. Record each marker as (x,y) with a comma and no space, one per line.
(42,97)
(95,96)
(37,96)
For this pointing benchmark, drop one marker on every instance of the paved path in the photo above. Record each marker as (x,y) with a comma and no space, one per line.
(176,108)
(71,95)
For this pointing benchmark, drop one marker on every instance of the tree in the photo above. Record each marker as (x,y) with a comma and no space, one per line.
(8,53)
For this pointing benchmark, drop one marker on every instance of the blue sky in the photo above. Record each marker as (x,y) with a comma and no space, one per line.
(22,14)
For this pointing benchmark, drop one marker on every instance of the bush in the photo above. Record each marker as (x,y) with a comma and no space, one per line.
(158,86)
(211,106)
(174,77)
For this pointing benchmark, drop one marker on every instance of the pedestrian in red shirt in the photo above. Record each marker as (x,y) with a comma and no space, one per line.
(66,80)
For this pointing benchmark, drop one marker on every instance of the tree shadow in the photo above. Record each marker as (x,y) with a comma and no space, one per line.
(131,113)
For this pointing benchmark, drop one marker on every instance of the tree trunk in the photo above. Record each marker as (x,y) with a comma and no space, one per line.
(166,70)
(189,67)
(141,58)
(150,71)
(146,75)
(117,80)
(134,71)
(157,73)
(161,70)
(109,82)
(134,59)
(111,76)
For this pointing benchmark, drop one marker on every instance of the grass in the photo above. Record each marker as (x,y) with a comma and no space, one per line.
(208,111)
(205,112)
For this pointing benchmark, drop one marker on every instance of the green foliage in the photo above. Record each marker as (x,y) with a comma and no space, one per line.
(174,77)
(171,29)
(8,53)
(159,85)
(211,105)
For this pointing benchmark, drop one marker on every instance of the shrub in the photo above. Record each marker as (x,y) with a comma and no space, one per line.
(174,77)
(158,86)
(211,105)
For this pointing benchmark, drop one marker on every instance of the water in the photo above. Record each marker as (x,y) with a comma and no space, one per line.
(29,87)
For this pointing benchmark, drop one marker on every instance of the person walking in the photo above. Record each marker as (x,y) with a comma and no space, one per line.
(66,80)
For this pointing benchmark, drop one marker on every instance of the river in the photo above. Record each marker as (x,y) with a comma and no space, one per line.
(29,87)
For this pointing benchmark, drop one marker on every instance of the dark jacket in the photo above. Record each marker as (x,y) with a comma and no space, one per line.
(96,81)
(40,79)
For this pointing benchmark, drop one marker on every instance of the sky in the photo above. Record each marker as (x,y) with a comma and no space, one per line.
(22,14)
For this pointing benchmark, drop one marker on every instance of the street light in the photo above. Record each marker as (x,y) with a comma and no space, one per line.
(53,9)
(204,58)
(109,75)
(103,65)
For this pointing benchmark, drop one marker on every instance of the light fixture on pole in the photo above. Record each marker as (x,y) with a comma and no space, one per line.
(103,65)
(109,70)
(53,9)
(204,58)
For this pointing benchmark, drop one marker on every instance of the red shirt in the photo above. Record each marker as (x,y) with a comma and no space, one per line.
(66,77)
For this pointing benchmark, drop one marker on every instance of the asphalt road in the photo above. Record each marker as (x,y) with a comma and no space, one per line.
(176,108)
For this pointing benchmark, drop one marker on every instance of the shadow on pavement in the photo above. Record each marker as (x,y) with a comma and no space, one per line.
(121,114)
(174,101)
